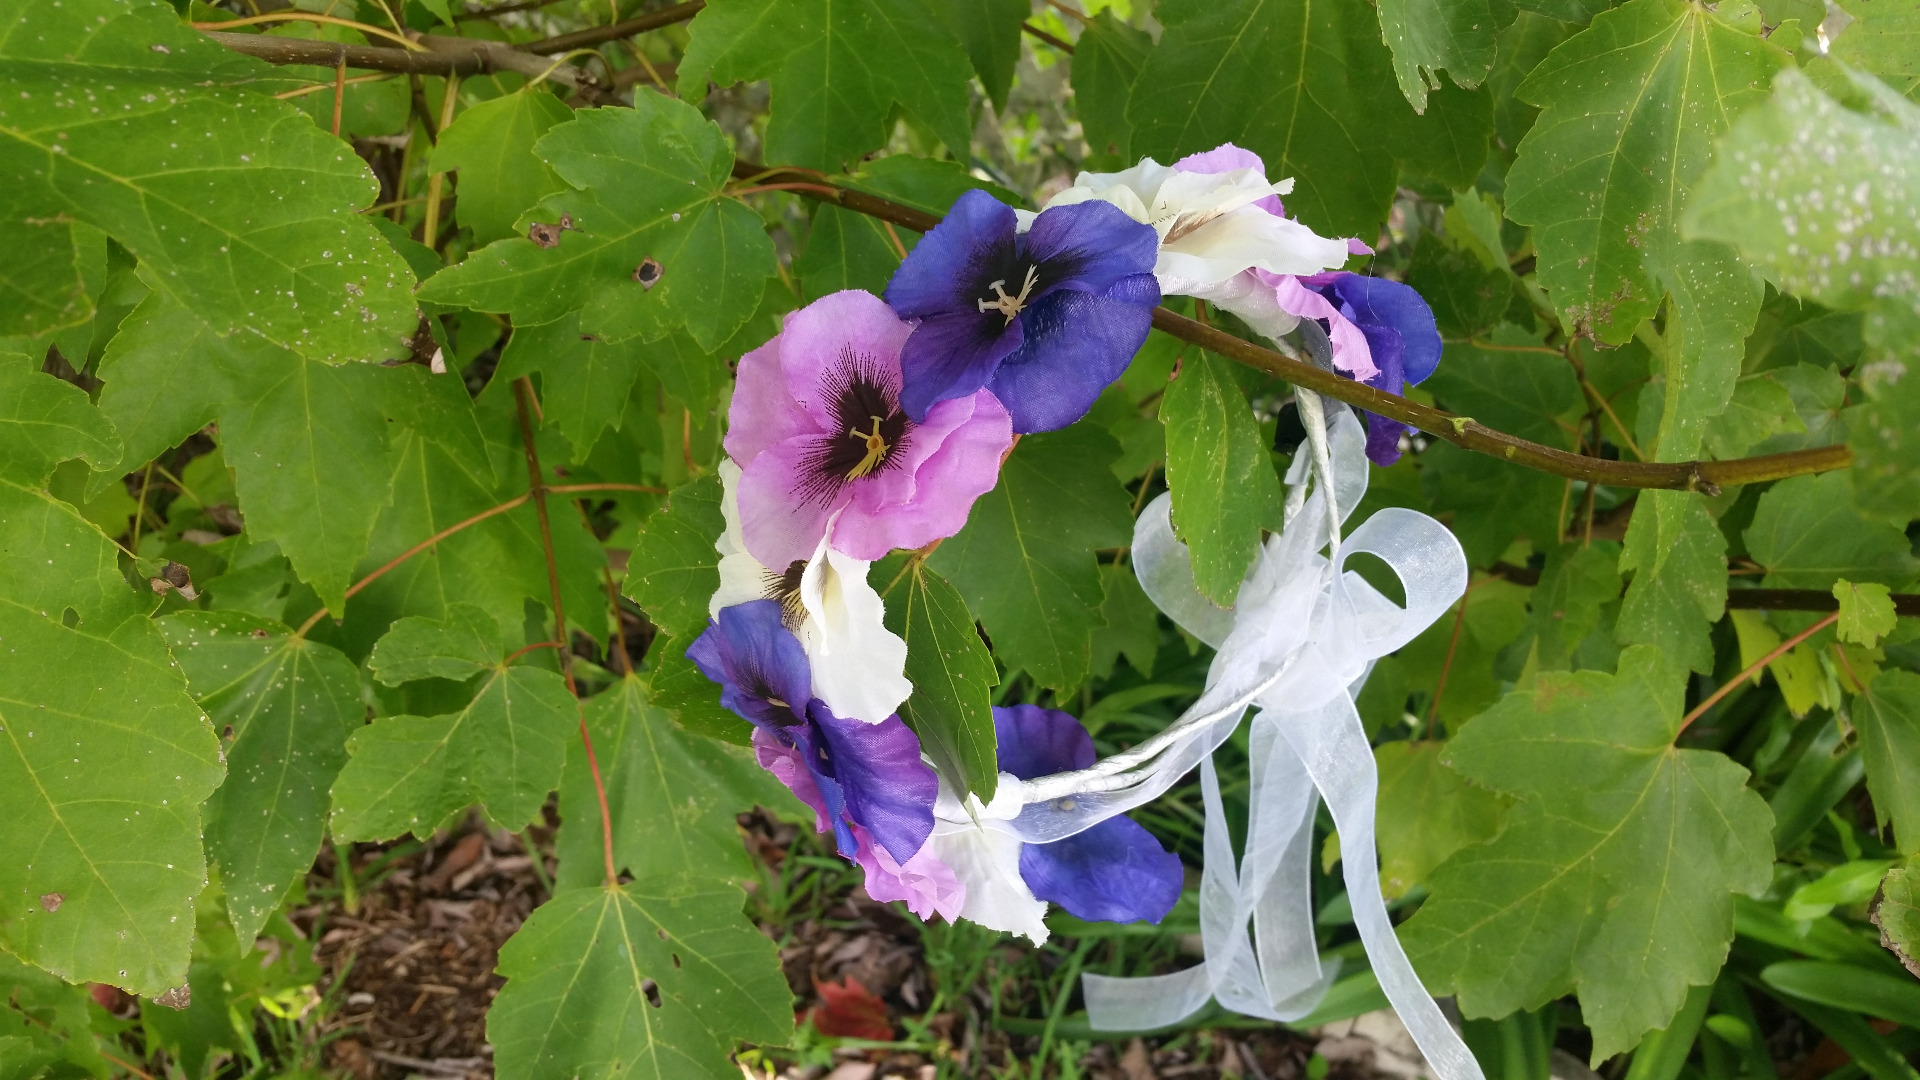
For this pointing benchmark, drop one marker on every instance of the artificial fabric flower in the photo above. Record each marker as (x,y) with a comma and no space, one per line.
(1045,319)
(858,665)
(928,885)
(1220,225)
(860,774)
(817,428)
(1113,872)
(1388,326)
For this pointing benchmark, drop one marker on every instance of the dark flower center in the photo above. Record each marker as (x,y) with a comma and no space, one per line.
(785,588)
(863,400)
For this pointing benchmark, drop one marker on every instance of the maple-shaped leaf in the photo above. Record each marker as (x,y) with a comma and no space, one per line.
(1025,560)
(836,70)
(1630,107)
(44,421)
(648,186)
(635,981)
(1617,870)
(672,795)
(284,707)
(104,761)
(121,117)
(504,750)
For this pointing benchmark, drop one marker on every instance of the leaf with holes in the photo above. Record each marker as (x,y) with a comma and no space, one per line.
(491,144)
(1025,560)
(285,706)
(1620,891)
(631,981)
(192,195)
(648,185)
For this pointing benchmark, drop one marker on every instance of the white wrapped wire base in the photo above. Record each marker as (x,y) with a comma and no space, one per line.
(1297,645)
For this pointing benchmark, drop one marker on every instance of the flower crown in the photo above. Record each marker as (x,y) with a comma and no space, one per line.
(868,425)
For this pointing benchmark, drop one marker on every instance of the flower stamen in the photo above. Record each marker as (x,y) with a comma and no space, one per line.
(1009,306)
(876,449)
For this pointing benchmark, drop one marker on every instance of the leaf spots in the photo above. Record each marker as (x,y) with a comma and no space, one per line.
(50,902)
(648,273)
(652,990)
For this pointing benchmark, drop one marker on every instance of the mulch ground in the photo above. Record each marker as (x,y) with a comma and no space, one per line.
(411,973)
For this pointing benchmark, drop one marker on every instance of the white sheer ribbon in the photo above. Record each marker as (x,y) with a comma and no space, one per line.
(1298,643)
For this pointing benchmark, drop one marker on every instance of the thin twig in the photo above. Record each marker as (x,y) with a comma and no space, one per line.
(1063,46)
(304,16)
(436,181)
(653,20)
(339,93)
(1754,669)
(1446,666)
(525,649)
(536,482)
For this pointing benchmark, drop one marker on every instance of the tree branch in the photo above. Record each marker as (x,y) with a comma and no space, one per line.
(442,56)
(1462,431)
(586,39)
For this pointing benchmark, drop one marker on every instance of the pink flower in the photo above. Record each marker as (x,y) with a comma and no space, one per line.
(817,429)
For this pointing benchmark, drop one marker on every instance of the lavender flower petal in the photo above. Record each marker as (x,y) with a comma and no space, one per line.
(1113,872)
(888,790)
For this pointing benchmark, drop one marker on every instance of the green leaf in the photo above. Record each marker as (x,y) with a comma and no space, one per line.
(44,421)
(1630,108)
(491,144)
(1025,560)
(989,30)
(1107,60)
(46,1021)
(177,167)
(1821,196)
(1466,649)
(1844,986)
(836,71)
(1621,891)
(1761,407)
(1565,607)
(1807,532)
(504,750)
(1304,85)
(1866,612)
(951,672)
(1427,812)
(1493,501)
(43,287)
(1889,727)
(1884,38)
(1220,472)
(460,646)
(1132,623)
(672,795)
(287,705)
(636,981)
(1467,298)
(1715,302)
(308,448)
(586,382)
(1523,393)
(1896,911)
(674,569)
(848,250)
(1678,557)
(1428,35)
(649,181)
(104,761)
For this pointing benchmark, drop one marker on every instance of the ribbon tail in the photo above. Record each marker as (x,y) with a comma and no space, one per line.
(1334,748)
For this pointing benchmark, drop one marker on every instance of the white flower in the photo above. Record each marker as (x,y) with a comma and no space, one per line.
(985,856)
(858,665)
(1210,229)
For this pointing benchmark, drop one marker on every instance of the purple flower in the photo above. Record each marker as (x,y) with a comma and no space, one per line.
(1388,322)
(1113,872)
(867,775)
(1044,319)
(818,430)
